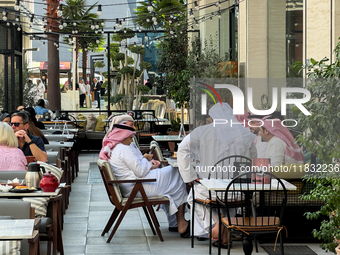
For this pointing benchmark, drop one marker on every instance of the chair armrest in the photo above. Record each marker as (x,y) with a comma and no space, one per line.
(131,181)
(56,198)
(37,222)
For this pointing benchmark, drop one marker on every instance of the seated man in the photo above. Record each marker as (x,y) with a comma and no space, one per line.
(127,163)
(209,144)
(30,145)
(281,146)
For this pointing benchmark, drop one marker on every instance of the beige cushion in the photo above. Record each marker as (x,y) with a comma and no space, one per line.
(39,203)
(10,247)
(100,125)
(82,125)
(91,122)
(57,172)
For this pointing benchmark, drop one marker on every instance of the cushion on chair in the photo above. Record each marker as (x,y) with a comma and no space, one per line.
(39,203)
(57,172)
(91,122)
(100,125)
(140,199)
(252,223)
(44,223)
(82,125)
(112,177)
(10,247)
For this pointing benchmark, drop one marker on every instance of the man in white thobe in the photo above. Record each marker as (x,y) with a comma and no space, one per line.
(40,90)
(204,147)
(281,147)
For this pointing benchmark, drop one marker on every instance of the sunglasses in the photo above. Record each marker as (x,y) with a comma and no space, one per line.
(16,124)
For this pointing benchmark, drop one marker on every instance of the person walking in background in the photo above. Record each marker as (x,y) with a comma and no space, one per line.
(97,90)
(149,85)
(82,93)
(40,90)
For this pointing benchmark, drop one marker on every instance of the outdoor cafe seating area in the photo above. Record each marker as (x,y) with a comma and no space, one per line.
(78,217)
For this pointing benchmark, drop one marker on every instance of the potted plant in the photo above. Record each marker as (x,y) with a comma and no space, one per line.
(322,138)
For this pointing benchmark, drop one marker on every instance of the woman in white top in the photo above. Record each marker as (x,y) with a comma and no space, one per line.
(128,163)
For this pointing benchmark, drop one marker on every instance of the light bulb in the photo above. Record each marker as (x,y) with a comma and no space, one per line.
(19,28)
(16,7)
(97,26)
(155,23)
(4,18)
(150,8)
(96,31)
(92,27)
(147,20)
(61,26)
(74,24)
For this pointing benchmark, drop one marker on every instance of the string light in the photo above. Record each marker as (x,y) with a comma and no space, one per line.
(218,4)
(92,25)
(16,6)
(74,24)
(150,8)
(60,10)
(125,30)
(154,17)
(99,10)
(114,29)
(196,5)
(19,28)
(4,17)
(191,13)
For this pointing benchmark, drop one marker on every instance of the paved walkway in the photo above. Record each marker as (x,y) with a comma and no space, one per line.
(90,209)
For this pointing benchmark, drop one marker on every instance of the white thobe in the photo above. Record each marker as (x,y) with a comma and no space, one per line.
(276,151)
(212,149)
(128,163)
(261,147)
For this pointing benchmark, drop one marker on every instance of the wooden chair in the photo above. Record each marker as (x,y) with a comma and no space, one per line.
(263,199)
(157,153)
(211,202)
(122,205)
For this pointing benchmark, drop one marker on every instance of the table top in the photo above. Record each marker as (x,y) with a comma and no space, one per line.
(16,229)
(51,130)
(168,138)
(38,193)
(172,162)
(151,120)
(221,185)
(70,136)
(61,144)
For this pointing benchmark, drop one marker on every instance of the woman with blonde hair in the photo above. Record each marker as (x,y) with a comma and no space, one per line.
(12,158)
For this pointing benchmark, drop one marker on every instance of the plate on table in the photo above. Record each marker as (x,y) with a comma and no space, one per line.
(23,190)
(11,184)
